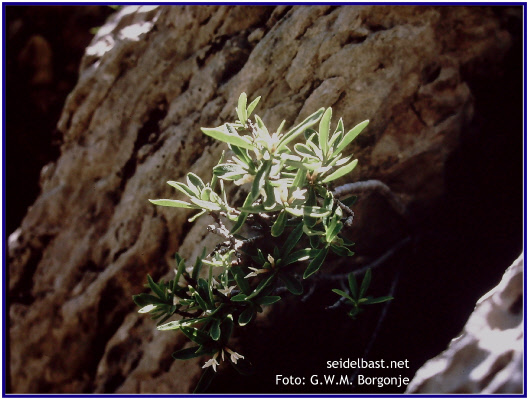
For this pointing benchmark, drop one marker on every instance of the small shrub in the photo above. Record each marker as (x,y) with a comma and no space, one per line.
(289,216)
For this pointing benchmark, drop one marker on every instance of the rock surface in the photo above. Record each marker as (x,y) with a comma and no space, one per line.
(150,79)
(487,357)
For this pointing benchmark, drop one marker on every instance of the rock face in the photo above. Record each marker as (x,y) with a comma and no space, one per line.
(487,357)
(149,80)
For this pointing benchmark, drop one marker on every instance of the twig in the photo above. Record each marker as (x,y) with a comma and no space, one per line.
(372,185)
(378,325)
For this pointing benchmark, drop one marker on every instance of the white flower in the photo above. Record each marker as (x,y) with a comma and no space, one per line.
(212,362)
(247,178)
(281,193)
(298,194)
(271,260)
(227,291)
(256,271)
(234,356)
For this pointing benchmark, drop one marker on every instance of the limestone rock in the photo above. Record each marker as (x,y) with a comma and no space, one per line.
(487,357)
(149,80)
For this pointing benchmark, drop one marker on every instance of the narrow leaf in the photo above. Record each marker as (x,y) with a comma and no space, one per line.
(181,187)
(267,300)
(195,335)
(381,299)
(174,203)
(300,128)
(365,283)
(352,284)
(350,200)
(246,316)
(351,135)
(324,129)
(261,285)
(280,223)
(292,284)
(222,135)
(297,256)
(205,380)
(252,106)
(215,330)
(155,287)
(343,170)
(343,294)
(239,297)
(316,263)
(187,353)
(241,109)
(292,240)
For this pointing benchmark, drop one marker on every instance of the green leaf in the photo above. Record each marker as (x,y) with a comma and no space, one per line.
(243,367)
(239,223)
(313,211)
(240,279)
(223,135)
(351,135)
(228,169)
(252,106)
(200,301)
(316,263)
(300,128)
(324,129)
(243,215)
(143,300)
(337,135)
(187,353)
(334,229)
(343,170)
(182,188)
(198,264)
(226,329)
(381,299)
(292,240)
(270,196)
(279,225)
(210,206)
(147,309)
(176,325)
(350,200)
(241,109)
(352,284)
(260,179)
(300,179)
(239,297)
(205,380)
(195,181)
(341,251)
(174,203)
(246,316)
(215,330)
(292,284)
(303,254)
(365,283)
(267,300)
(305,151)
(203,287)
(263,283)
(156,288)
(194,217)
(262,127)
(343,294)
(195,335)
